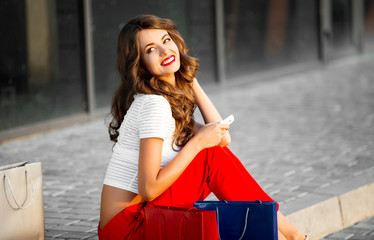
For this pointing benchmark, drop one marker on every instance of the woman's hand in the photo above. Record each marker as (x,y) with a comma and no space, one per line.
(210,135)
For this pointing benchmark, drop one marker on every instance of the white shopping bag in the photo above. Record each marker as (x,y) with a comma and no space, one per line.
(21,202)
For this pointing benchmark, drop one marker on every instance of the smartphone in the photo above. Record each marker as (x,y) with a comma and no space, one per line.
(228,120)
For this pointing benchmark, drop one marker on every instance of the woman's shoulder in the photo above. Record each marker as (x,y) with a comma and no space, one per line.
(151,99)
(152,105)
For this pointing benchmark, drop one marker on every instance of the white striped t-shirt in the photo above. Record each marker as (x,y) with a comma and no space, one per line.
(148,116)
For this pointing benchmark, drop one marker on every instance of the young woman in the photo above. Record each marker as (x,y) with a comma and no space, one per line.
(161,155)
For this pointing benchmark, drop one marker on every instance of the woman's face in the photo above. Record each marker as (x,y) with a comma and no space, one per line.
(159,53)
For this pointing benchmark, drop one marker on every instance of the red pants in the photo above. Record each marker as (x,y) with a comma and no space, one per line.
(215,170)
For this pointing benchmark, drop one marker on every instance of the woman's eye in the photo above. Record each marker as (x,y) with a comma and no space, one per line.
(167,40)
(151,49)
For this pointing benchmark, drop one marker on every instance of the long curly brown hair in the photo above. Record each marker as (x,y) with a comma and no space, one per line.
(135,78)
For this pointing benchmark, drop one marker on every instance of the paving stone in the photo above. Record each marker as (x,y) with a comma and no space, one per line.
(58,221)
(82,223)
(72,228)
(93,238)
(50,233)
(73,235)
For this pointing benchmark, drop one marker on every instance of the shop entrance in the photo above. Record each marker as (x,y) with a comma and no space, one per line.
(342,28)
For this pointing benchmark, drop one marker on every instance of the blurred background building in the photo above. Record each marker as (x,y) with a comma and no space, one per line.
(58,57)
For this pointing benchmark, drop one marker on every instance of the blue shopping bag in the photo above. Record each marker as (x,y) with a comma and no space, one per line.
(244,220)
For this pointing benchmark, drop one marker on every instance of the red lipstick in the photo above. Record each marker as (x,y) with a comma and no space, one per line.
(168,61)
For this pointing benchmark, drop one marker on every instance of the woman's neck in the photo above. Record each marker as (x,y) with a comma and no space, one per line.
(169,79)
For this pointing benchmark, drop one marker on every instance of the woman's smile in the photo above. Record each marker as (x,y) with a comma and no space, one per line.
(168,61)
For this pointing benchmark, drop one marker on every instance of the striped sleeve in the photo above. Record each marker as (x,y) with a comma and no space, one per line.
(153,117)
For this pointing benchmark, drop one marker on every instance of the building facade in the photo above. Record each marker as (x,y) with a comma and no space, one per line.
(58,57)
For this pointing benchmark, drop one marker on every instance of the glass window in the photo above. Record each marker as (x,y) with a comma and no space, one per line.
(40,62)
(195,20)
(341,23)
(341,40)
(200,28)
(369,25)
(267,34)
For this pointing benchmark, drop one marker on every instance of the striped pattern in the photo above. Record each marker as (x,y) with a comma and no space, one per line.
(148,116)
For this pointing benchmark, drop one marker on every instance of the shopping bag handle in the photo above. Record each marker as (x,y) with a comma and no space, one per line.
(19,206)
(245,223)
(181,227)
(159,225)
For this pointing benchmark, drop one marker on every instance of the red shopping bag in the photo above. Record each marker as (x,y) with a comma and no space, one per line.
(171,223)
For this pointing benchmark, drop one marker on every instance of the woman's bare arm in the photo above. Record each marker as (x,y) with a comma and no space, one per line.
(208,111)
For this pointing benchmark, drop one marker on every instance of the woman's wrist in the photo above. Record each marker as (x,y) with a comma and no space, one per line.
(194,145)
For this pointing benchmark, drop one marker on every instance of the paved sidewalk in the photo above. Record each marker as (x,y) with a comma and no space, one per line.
(305,137)
(361,231)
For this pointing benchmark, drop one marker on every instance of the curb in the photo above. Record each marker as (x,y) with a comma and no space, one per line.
(336,213)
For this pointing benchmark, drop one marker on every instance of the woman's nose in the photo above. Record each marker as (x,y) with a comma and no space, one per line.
(163,51)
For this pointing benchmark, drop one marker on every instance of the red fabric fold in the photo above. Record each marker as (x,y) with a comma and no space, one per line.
(127,224)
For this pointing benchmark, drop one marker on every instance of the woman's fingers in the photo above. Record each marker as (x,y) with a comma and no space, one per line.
(223,126)
(217,127)
(211,134)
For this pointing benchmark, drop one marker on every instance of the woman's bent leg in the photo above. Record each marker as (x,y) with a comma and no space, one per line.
(230,180)
(215,170)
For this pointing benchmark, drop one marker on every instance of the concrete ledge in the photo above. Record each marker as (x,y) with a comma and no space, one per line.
(336,213)
(318,220)
(40,128)
(357,205)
